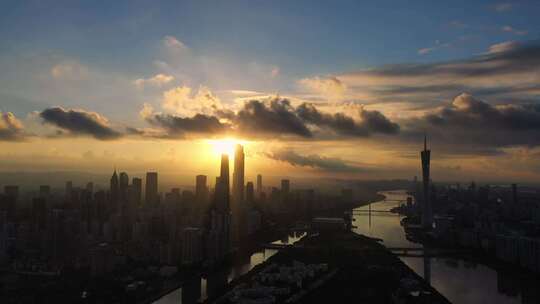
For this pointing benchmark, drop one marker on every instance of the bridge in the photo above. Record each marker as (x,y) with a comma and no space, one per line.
(419,252)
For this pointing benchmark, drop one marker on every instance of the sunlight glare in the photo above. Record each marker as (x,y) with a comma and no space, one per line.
(225,146)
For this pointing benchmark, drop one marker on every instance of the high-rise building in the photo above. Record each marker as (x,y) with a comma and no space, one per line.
(201,189)
(151,197)
(191,246)
(285,186)
(114,187)
(69,189)
(250,195)
(427,217)
(123,188)
(90,187)
(136,187)
(238,174)
(259,186)
(238,209)
(44,190)
(219,235)
(201,194)
(222,192)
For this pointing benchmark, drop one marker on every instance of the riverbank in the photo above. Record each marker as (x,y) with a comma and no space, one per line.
(358,269)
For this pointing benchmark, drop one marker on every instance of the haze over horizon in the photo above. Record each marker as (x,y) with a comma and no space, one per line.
(341,90)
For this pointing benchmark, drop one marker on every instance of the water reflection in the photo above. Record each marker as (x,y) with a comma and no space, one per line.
(200,288)
(461,281)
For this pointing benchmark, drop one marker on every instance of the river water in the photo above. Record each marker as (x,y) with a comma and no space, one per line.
(459,280)
(199,288)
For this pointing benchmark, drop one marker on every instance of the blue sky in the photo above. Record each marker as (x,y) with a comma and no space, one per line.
(307,37)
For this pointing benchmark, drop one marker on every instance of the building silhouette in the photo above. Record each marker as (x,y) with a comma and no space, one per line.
(427,216)
(123,186)
(114,187)
(237,202)
(136,186)
(151,196)
(259,185)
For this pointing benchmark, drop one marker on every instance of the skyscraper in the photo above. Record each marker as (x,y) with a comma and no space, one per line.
(259,185)
(250,195)
(220,217)
(44,190)
(237,203)
(201,194)
(427,217)
(136,187)
(238,175)
(151,196)
(222,192)
(69,189)
(285,186)
(114,187)
(124,184)
(200,187)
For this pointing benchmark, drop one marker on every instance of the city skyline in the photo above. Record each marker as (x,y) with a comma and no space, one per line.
(156,89)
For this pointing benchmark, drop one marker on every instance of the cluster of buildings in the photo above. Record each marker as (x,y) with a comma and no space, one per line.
(502,221)
(96,230)
(276,282)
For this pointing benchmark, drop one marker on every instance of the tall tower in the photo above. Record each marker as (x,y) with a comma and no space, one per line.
(238,175)
(114,187)
(151,197)
(137,190)
(237,203)
(259,185)
(222,192)
(427,217)
(124,183)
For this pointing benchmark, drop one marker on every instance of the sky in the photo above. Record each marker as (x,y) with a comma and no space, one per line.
(343,89)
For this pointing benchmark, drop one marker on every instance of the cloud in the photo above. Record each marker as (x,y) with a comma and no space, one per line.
(511,69)
(11,129)
(174,44)
(80,122)
(182,100)
(470,122)
(69,69)
(278,117)
(438,45)
(502,47)
(178,127)
(157,80)
(424,51)
(264,118)
(509,29)
(313,161)
(327,86)
(274,72)
(371,121)
(503,7)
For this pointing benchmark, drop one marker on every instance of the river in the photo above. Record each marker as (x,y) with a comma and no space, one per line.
(199,288)
(459,280)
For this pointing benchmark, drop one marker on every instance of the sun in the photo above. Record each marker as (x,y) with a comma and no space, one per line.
(225,145)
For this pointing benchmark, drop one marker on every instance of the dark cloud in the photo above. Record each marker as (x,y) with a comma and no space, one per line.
(177,126)
(80,122)
(313,161)
(504,58)
(278,117)
(371,121)
(471,122)
(11,129)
